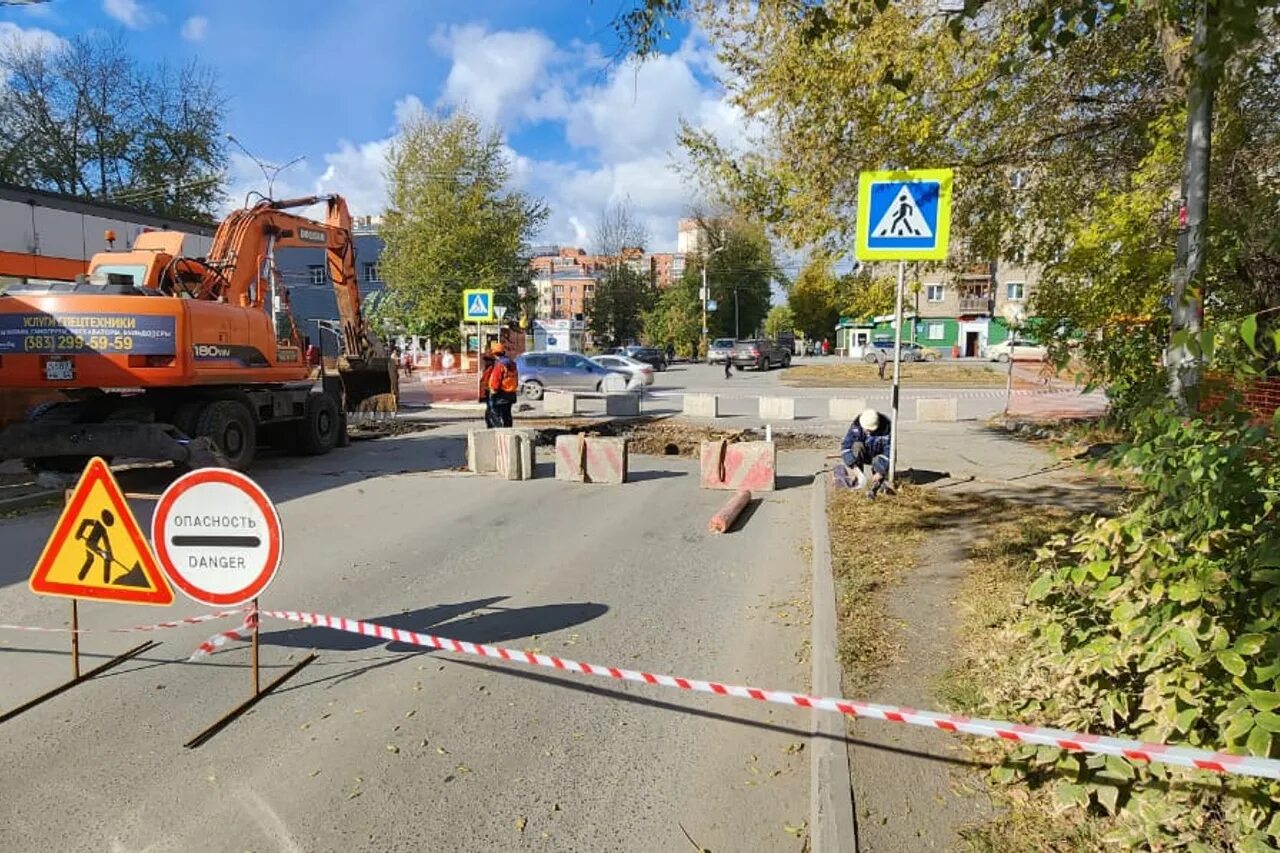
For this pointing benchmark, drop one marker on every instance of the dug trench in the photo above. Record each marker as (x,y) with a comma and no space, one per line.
(664,437)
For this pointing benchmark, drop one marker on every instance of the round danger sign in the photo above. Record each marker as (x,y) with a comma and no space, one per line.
(217,536)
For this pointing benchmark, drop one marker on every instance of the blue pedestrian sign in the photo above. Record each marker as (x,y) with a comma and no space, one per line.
(904,216)
(477,306)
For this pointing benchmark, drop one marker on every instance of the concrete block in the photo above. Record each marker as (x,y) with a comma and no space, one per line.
(559,403)
(606,460)
(701,406)
(778,408)
(845,409)
(614,383)
(514,461)
(937,409)
(622,405)
(591,459)
(571,455)
(482,451)
(748,465)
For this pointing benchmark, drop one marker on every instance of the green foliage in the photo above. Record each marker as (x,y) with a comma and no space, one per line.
(862,295)
(1162,623)
(813,299)
(676,318)
(779,321)
(451,222)
(741,260)
(614,311)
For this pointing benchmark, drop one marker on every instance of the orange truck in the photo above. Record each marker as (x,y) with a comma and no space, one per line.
(195,360)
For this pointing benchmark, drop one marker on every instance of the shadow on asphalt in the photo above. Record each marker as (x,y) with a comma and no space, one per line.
(641,476)
(792,481)
(635,699)
(752,507)
(494,627)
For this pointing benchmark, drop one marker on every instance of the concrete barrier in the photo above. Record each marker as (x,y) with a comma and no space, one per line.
(937,409)
(778,408)
(591,459)
(505,452)
(845,408)
(701,406)
(748,465)
(622,405)
(559,403)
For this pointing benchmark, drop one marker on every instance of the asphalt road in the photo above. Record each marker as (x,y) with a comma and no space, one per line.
(739,395)
(378,746)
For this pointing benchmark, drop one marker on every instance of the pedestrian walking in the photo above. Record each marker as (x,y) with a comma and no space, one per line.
(446,362)
(826,347)
(504,380)
(728,365)
(486,369)
(882,359)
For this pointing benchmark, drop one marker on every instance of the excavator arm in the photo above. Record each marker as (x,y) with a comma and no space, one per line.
(239,261)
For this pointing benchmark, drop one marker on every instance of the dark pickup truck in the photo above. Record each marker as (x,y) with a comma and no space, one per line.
(760,354)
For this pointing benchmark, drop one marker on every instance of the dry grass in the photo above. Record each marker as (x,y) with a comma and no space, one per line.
(928,375)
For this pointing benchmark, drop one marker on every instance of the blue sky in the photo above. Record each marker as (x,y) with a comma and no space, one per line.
(326,78)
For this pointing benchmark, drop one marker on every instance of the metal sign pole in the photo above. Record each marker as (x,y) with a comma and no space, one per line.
(75,639)
(897,363)
(254,653)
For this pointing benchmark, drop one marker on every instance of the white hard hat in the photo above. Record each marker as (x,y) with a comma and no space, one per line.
(869,420)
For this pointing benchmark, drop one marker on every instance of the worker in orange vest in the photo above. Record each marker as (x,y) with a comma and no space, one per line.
(503,382)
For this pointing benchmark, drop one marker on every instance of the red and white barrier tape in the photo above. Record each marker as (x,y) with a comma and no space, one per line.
(159,626)
(1132,750)
(223,637)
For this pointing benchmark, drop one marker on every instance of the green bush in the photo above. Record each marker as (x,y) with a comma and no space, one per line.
(1160,623)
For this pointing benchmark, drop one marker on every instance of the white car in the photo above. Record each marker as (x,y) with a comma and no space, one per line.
(638,373)
(1021,350)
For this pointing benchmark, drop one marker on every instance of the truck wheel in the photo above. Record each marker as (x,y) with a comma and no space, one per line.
(319,429)
(229,425)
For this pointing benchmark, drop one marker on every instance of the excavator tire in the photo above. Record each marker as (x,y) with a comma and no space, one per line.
(321,426)
(230,426)
(187,415)
(59,412)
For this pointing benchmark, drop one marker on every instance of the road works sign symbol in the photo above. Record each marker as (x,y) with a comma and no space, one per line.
(217,535)
(97,549)
(477,305)
(904,216)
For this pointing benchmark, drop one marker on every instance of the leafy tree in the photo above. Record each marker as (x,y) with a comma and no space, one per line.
(813,299)
(84,118)
(623,294)
(779,322)
(739,266)
(451,222)
(864,294)
(676,317)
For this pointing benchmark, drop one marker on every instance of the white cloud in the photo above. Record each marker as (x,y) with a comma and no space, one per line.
(493,73)
(194,29)
(131,13)
(20,39)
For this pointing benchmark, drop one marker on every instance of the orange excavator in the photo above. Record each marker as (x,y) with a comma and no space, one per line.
(195,360)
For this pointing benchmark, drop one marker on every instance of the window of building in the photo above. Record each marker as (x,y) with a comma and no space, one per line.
(371,272)
(1016,291)
(559,291)
(935,331)
(933,292)
(317,274)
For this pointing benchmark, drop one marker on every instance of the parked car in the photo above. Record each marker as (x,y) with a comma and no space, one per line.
(760,354)
(649,355)
(638,373)
(1021,351)
(911,351)
(720,350)
(559,370)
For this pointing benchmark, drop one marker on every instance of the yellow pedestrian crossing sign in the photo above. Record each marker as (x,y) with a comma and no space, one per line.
(97,549)
(904,216)
(477,306)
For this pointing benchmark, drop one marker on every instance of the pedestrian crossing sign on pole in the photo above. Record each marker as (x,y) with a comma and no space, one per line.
(905,215)
(477,306)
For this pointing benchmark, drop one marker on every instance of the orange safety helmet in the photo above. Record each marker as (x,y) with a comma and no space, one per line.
(498,348)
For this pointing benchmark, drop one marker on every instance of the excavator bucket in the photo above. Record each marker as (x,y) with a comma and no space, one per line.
(372,385)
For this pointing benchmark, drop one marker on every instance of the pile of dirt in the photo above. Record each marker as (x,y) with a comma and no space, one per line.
(366,429)
(670,438)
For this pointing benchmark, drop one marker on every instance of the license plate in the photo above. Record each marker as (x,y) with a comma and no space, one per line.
(59,370)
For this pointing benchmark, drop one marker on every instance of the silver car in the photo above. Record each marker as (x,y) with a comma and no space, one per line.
(720,351)
(561,370)
(638,373)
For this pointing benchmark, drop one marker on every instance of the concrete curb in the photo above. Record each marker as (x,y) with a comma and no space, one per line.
(831,820)
(29,500)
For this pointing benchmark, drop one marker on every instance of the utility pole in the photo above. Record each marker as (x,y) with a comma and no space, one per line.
(1187,305)
(897,367)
